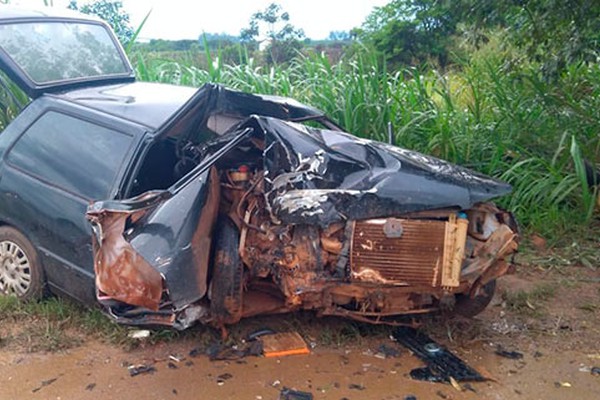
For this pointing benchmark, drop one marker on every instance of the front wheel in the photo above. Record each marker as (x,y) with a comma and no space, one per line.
(21,273)
(227,274)
(471,306)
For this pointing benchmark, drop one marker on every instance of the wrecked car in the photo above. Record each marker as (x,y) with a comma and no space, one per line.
(171,206)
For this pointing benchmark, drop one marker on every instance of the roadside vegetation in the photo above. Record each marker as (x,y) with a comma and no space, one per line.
(511,90)
(486,115)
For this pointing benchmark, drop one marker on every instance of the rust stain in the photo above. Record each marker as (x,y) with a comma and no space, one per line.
(121,272)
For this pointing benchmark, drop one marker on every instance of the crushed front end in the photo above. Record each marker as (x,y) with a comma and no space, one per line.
(277,216)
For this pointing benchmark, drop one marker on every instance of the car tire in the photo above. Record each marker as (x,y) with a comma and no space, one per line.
(21,272)
(471,306)
(227,274)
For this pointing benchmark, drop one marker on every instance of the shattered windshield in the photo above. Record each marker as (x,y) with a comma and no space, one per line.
(62,51)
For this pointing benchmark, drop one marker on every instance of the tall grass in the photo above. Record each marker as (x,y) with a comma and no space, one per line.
(491,113)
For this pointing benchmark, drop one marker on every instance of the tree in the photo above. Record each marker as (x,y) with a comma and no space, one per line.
(411,31)
(112,12)
(272,26)
(554,33)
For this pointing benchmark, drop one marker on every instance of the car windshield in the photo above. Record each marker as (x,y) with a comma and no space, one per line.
(62,51)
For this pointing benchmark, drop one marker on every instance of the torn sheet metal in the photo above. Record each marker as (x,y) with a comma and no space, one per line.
(318,176)
(172,239)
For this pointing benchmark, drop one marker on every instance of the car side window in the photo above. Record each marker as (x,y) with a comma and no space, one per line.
(76,155)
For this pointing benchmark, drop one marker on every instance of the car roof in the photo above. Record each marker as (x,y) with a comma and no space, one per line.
(13,13)
(145,103)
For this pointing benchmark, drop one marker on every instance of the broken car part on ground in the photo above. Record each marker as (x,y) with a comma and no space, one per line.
(212,205)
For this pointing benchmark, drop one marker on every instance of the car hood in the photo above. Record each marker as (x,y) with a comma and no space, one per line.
(318,176)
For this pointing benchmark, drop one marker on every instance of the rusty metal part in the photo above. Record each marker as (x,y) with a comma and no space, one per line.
(240,205)
(121,272)
(331,245)
(488,262)
(454,251)
(419,256)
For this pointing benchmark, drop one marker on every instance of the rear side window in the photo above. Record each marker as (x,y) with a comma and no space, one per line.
(76,155)
(61,51)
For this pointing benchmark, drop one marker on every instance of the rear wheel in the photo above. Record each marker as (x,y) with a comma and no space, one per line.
(21,272)
(471,306)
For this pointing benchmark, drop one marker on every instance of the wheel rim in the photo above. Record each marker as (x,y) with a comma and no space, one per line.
(15,269)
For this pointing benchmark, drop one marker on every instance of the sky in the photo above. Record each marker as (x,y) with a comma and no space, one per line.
(187,19)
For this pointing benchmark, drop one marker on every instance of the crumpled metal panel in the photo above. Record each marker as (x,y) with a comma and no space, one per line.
(121,273)
(317,176)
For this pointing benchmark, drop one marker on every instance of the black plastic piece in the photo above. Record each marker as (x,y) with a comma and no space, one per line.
(290,394)
(513,355)
(441,363)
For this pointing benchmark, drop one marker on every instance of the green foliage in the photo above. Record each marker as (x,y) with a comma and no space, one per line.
(410,32)
(488,115)
(112,12)
(553,33)
(12,100)
(272,26)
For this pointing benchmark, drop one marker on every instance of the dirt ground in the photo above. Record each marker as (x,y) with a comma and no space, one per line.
(550,316)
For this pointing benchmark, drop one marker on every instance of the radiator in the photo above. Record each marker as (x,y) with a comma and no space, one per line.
(408,251)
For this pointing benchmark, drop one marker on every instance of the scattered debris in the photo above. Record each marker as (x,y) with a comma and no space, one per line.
(410,397)
(135,370)
(513,355)
(469,387)
(220,352)
(283,344)
(442,365)
(177,358)
(139,334)
(356,386)
(455,384)
(258,333)
(441,394)
(385,351)
(172,365)
(562,384)
(195,352)
(595,370)
(223,377)
(90,386)
(291,394)
(44,384)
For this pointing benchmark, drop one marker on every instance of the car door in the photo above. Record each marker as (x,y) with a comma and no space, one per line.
(51,173)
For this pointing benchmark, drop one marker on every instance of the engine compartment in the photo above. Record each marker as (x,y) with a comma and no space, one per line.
(364,269)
